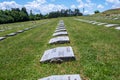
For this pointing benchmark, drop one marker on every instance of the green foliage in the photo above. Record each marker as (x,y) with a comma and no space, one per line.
(97,11)
(17,15)
(65,13)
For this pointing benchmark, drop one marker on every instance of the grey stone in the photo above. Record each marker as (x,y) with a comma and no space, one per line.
(11,34)
(59,30)
(59,39)
(26,29)
(118,28)
(1,38)
(111,25)
(101,23)
(60,33)
(2,30)
(20,31)
(63,77)
(63,53)
(95,22)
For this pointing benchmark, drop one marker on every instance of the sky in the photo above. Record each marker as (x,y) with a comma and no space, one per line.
(46,6)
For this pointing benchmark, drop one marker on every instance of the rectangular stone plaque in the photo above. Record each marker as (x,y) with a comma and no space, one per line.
(26,29)
(118,28)
(60,27)
(20,31)
(111,25)
(62,53)
(60,33)
(60,30)
(59,39)
(1,38)
(102,23)
(11,34)
(2,30)
(63,77)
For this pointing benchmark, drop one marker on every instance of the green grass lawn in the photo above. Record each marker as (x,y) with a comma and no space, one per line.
(96,49)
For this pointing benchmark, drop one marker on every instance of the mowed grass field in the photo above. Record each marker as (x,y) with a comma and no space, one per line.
(96,48)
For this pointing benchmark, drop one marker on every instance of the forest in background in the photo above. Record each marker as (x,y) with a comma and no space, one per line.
(20,15)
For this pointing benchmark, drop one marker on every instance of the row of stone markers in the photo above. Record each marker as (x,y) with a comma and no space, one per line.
(117,26)
(18,32)
(59,54)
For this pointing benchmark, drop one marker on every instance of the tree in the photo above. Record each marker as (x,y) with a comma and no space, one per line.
(96,11)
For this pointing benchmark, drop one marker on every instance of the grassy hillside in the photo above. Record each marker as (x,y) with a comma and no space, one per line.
(96,50)
(108,16)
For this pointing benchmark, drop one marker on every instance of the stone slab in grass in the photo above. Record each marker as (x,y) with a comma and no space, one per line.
(118,28)
(63,77)
(111,25)
(26,29)
(11,34)
(101,23)
(59,39)
(1,38)
(20,31)
(2,30)
(59,30)
(95,22)
(60,33)
(58,55)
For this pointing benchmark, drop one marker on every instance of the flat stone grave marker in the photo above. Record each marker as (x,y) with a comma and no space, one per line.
(63,77)
(91,21)
(58,54)
(118,28)
(1,38)
(115,18)
(60,33)
(2,30)
(20,31)
(60,30)
(95,22)
(111,25)
(59,39)
(101,23)
(59,27)
(26,29)
(11,34)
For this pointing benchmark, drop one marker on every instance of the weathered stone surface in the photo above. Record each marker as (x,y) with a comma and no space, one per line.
(11,34)
(59,30)
(59,39)
(95,22)
(26,29)
(20,31)
(2,30)
(118,28)
(60,33)
(111,25)
(63,77)
(58,53)
(102,23)
(1,38)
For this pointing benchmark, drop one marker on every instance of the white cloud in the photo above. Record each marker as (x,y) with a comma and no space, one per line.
(8,5)
(73,7)
(87,4)
(36,6)
(42,6)
(100,6)
(115,3)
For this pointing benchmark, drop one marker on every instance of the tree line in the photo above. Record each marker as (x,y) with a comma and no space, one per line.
(19,15)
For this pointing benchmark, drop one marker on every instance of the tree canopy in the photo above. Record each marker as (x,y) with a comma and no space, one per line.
(19,15)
